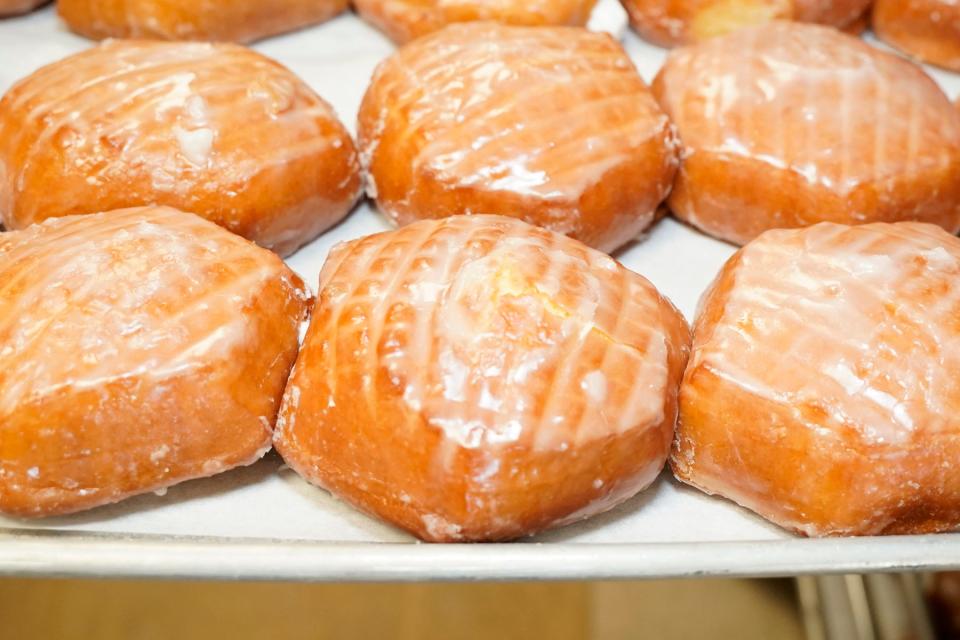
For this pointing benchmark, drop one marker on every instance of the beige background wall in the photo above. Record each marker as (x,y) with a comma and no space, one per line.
(108,610)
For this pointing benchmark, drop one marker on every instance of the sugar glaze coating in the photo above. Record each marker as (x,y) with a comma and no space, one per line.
(214,129)
(822,390)
(476,378)
(789,124)
(138,348)
(405,20)
(215,20)
(551,125)
(928,30)
(669,23)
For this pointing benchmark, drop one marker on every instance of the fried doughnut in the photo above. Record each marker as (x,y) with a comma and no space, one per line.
(669,23)
(822,390)
(789,124)
(233,21)
(549,124)
(405,20)
(928,30)
(16,7)
(477,378)
(214,129)
(138,349)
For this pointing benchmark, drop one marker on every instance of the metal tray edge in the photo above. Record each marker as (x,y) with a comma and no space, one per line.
(59,554)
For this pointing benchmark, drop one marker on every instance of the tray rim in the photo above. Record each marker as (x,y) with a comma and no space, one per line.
(71,554)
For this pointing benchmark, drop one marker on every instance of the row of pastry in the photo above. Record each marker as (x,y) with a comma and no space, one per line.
(778,126)
(477,378)
(926,29)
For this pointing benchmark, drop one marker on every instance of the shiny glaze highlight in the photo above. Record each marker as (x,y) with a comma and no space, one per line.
(138,348)
(214,129)
(822,390)
(477,378)
(552,125)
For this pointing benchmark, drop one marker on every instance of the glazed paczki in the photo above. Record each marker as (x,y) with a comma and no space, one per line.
(669,23)
(477,378)
(138,349)
(233,21)
(214,129)
(405,20)
(552,125)
(822,390)
(789,124)
(929,30)
(16,7)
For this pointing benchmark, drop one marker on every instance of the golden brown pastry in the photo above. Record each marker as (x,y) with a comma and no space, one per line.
(928,30)
(789,124)
(215,129)
(138,349)
(16,7)
(822,390)
(858,26)
(476,378)
(552,125)
(233,20)
(404,20)
(670,23)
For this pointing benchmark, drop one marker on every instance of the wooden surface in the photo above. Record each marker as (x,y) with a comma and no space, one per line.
(108,610)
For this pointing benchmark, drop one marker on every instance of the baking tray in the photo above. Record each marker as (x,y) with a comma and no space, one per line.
(263,522)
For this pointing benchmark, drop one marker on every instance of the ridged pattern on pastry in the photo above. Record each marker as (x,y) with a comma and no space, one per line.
(214,129)
(138,348)
(477,378)
(822,390)
(551,125)
(214,20)
(788,124)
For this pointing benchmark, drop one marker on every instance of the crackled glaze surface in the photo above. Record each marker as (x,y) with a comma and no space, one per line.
(477,378)
(214,129)
(551,125)
(822,390)
(138,348)
(787,124)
